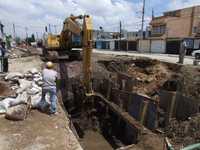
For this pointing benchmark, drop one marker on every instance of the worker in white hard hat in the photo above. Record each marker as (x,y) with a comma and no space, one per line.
(49,76)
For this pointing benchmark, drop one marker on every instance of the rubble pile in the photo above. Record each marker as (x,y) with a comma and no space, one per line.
(149,75)
(184,133)
(191,82)
(18,53)
(28,92)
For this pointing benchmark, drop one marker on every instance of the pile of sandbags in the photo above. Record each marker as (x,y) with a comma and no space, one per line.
(28,90)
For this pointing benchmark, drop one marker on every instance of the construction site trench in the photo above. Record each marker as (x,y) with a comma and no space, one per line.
(138,102)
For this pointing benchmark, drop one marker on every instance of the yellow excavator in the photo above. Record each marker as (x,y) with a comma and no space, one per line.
(63,44)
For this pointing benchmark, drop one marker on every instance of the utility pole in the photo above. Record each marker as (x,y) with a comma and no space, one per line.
(14,34)
(152,14)
(1,30)
(55,28)
(143,12)
(120,34)
(26,30)
(37,35)
(49,28)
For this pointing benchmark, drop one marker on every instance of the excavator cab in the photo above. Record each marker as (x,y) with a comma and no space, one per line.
(68,44)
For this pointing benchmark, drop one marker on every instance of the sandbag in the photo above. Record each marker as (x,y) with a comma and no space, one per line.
(13,76)
(6,103)
(2,109)
(20,99)
(24,85)
(16,113)
(35,100)
(33,71)
(35,89)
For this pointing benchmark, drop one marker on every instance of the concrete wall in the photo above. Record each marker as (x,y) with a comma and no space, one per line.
(178,27)
(182,26)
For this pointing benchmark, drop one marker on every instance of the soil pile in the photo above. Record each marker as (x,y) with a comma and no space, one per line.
(184,133)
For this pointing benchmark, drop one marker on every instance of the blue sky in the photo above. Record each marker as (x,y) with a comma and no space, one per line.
(35,14)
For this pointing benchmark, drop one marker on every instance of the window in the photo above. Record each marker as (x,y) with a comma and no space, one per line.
(159,29)
(195,29)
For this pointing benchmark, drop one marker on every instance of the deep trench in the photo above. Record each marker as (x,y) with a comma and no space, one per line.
(97,125)
(99,120)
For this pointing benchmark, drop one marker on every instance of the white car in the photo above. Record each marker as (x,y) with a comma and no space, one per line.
(196,54)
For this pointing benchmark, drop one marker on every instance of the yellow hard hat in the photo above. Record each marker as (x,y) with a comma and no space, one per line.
(49,64)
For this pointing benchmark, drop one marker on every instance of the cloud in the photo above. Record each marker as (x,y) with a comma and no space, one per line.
(35,14)
(178,4)
(38,13)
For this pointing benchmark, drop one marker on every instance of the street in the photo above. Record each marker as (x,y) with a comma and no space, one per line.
(162,57)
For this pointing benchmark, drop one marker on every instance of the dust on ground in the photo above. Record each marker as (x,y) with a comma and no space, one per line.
(23,64)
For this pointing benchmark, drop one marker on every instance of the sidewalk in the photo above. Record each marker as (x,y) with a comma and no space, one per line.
(162,57)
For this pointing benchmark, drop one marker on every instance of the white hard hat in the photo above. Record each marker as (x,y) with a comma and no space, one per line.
(49,64)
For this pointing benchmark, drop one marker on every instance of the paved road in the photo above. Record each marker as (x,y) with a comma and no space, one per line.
(162,57)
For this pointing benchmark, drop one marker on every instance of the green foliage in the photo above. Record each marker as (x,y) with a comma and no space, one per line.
(8,41)
(30,39)
(18,40)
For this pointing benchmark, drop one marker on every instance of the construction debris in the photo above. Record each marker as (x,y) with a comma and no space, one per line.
(183,133)
(28,89)
(148,75)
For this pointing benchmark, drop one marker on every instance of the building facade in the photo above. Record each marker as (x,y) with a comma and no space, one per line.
(181,23)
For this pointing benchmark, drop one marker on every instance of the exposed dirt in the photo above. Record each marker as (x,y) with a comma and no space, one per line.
(185,132)
(5,89)
(191,81)
(151,76)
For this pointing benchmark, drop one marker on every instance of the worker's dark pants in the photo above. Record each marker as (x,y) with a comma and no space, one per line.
(5,64)
(182,55)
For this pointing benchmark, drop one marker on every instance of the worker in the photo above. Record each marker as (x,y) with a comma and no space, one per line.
(4,57)
(182,52)
(49,76)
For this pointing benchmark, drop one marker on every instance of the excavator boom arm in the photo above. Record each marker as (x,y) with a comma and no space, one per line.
(87,51)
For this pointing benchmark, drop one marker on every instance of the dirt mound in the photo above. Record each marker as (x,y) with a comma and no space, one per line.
(185,132)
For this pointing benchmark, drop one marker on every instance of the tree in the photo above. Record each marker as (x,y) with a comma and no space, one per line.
(31,39)
(18,40)
(8,41)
